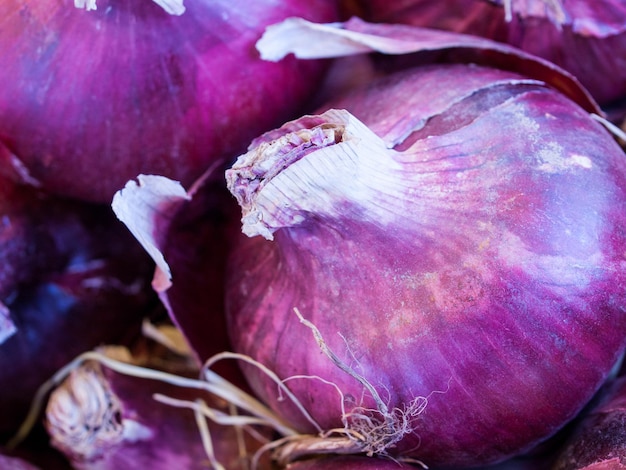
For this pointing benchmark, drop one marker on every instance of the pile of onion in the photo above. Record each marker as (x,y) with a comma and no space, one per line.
(431,271)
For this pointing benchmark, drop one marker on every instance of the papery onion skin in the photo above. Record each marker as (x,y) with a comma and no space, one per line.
(90,99)
(589,40)
(71,278)
(480,268)
(189,234)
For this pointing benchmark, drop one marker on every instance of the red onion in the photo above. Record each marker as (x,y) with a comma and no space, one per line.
(106,418)
(71,278)
(90,99)
(586,37)
(16,463)
(455,241)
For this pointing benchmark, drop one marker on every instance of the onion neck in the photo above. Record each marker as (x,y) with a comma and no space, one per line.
(298,170)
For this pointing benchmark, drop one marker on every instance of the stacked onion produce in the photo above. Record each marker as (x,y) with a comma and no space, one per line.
(422,267)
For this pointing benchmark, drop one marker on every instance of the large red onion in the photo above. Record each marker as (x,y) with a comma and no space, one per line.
(90,99)
(457,238)
(586,37)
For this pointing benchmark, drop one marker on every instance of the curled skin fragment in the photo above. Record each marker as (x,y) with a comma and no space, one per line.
(310,40)
(143,206)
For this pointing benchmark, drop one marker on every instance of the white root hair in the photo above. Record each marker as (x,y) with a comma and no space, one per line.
(368,431)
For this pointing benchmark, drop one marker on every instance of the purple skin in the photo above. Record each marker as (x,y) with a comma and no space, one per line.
(599,440)
(72,278)
(347,463)
(90,99)
(590,43)
(495,289)
(195,241)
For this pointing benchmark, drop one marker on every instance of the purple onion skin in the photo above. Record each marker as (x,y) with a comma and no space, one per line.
(590,44)
(16,463)
(599,440)
(196,242)
(485,272)
(72,278)
(34,454)
(347,463)
(90,99)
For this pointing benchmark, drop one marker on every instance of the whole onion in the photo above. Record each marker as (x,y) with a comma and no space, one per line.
(90,99)
(452,237)
(71,278)
(586,37)
(103,417)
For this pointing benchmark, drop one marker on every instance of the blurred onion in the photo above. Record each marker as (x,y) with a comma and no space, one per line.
(71,278)
(90,99)
(585,37)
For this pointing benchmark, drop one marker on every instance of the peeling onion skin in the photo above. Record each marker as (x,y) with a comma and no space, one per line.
(589,40)
(196,243)
(72,277)
(189,234)
(90,99)
(476,261)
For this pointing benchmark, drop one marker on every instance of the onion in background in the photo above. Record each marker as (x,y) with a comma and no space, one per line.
(599,439)
(90,99)
(71,278)
(585,37)
(104,419)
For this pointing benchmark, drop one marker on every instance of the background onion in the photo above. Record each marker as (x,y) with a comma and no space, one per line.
(598,441)
(71,278)
(101,418)
(90,99)
(586,37)
(466,265)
